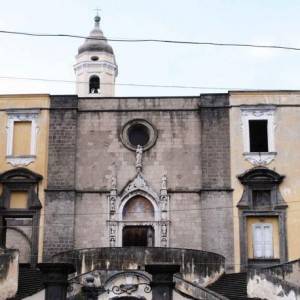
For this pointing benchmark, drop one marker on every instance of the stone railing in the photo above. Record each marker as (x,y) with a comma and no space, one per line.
(195,291)
(199,267)
(266,284)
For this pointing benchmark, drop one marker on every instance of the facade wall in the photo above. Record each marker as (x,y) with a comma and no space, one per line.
(26,103)
(286,162)
(192,150)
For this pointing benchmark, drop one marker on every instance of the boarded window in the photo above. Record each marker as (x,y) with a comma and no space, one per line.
(263,240)
(18,199)
(261,198)
(258,131)
(22,138)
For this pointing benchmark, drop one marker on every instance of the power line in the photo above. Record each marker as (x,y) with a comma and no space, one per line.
(176,86)
(150,40)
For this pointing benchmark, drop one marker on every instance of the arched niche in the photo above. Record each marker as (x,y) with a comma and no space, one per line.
(138,208)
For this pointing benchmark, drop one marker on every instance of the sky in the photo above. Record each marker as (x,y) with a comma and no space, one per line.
(238,21)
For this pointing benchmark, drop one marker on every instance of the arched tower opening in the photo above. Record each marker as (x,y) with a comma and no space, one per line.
(94,84)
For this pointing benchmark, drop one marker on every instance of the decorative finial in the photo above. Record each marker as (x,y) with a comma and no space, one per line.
(97,17)
(139,156)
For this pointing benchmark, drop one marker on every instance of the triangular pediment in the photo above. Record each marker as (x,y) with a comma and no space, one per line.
(138,183)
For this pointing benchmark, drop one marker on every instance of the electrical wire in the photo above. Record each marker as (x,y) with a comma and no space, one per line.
(151,40)
(124,84)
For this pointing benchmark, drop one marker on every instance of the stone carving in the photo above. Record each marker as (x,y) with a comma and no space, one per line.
(138,183)
(139,158)
(260,159)
(164,235)
(112,241)
(164,198)
(112,234)
(112,198)
(164,230)
(113,183)
(164,182)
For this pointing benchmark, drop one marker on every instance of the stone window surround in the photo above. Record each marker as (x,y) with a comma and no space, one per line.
(255,178)
(258,112)
(152,134)
(19,115)
(21,179)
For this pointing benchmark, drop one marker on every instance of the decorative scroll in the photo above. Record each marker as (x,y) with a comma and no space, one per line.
(130,288)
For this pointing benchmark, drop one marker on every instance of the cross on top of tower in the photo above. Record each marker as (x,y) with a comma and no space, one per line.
(97,17)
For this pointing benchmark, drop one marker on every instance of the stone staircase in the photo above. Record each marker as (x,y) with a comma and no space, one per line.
(232,286)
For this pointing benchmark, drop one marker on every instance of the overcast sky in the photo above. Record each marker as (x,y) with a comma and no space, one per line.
(244,21)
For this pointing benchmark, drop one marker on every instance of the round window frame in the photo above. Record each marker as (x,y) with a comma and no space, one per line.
(151,129)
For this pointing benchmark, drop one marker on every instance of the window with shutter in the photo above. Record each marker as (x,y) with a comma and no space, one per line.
(263,240)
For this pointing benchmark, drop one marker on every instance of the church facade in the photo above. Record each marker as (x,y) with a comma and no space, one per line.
(139,197)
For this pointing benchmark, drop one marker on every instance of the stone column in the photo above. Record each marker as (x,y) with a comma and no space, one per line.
(55,278)
(162,280)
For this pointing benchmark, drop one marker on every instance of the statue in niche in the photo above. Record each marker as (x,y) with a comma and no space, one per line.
(164,230)
(139,157)
(112,229)
(163,203)
(112,241)
(112,203)
(163,242)
(164,182)
(113,183)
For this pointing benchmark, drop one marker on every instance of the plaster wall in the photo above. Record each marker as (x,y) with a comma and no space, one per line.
(9,272)
(286,162)
(40,164)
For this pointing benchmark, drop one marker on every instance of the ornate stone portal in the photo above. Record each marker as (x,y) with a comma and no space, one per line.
(139,188)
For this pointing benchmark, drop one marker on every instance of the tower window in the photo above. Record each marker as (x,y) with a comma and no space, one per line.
(94,84)
(258,133)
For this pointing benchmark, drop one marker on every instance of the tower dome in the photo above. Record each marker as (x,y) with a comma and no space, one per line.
(96,41)
(95,67)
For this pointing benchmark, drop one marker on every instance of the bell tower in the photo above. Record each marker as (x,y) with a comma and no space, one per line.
(95,68)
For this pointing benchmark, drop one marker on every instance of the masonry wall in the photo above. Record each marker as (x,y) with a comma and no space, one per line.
(60,193)
(192,149)
(216,193)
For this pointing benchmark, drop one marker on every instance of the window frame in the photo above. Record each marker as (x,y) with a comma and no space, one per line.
(14,116)
(252,113)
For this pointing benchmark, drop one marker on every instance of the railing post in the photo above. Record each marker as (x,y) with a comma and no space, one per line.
(162,280)
(55,278)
